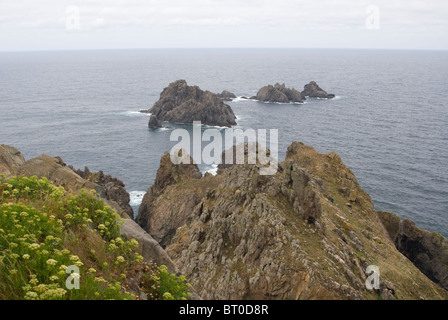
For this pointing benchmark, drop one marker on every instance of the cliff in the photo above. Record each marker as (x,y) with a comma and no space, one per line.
(307,232)
(181,103)
(427,250)
(12,163)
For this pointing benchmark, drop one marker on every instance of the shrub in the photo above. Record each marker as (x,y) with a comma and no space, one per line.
(44,229)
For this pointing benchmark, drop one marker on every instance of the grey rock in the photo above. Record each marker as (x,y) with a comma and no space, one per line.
(313,90)
(154,122)
(278,93)
(181,103)
(226,95)
(427,250)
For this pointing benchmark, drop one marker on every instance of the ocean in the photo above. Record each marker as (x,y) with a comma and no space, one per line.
(388,122)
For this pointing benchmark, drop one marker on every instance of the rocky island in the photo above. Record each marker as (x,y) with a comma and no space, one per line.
(181,103)
(279,93)
(314,91)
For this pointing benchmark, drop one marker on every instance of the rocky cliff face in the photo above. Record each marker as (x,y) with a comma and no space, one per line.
(307,232)
(181,103)
(427,250)
(314,91)
(162,224)
(279,93)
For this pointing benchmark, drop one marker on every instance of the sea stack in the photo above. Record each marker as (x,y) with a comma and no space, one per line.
(278,93)
(181,103)
(313,90)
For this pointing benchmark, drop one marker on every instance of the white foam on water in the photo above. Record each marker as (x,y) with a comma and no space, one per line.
(217,127)
(134,114)
(136,197)
(213,170)
(240,98)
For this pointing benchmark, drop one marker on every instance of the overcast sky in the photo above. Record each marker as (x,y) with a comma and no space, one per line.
(103,24)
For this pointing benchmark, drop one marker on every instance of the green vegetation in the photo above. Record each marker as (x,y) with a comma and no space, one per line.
(158,283)
(47,233)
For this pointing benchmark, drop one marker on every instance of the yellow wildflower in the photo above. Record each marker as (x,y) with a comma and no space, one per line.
(51,262)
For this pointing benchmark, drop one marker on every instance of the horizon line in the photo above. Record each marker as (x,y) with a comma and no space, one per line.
(217,48)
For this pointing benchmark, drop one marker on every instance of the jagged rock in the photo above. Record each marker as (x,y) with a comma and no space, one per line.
(248,154)
(278,93)
(154,122)
(314,91)
(242,235)
(162,224)
(181,103)
(427,250)
(226,95)
(113,188)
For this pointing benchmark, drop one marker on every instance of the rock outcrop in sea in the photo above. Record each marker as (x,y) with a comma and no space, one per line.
(226,95)
(307,232)
(154,122)
(278,93)
(314,91)
(181,103)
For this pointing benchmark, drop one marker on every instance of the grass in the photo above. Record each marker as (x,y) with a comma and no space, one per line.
(50,238)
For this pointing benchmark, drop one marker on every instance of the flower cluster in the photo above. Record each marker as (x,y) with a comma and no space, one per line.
(29,188)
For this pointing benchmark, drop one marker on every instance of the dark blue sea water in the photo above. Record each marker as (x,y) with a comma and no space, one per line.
(389,121)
